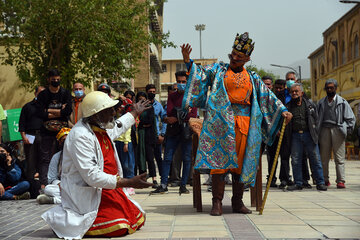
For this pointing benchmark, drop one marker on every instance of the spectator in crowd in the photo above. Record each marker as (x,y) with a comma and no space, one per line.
(160,114)
(103,87)
(290,80)
(2,117)
(238,118)
(12,184)
(336,121)
(147,137)
(285,150)
(54,107)
(304,136)
(268,82)
(93,202)
(52,190)
(177,132)
(29,127)
(131,95)
(124,145)
(79,94)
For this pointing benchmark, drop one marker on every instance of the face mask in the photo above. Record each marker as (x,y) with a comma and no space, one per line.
(151,96)
(55,83)
(79,93)
(181,86)
(280,93)
(330,94)
(2,157)
(289,83)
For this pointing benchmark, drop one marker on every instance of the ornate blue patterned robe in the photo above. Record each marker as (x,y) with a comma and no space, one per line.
(205,89)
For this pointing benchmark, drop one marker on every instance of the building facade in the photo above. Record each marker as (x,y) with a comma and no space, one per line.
(170,67)
(339,58)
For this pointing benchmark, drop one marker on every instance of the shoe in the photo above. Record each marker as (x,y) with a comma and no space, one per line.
(282,184)
(307,185)
(183,190)
(294,187)
(273,184)
(290,183)
(340,185)
(156,185)
(175,184)
(45,199)
(321,187)
(159,190)
(24,196)
(327,183)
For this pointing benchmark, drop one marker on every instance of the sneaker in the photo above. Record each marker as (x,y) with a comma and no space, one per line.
(294,187)
(183,190)
(340,185)
(327,183)
(24,196)
(307,185)
(156,185)
(321,187)
(159,190)
(282,184)
(45,199)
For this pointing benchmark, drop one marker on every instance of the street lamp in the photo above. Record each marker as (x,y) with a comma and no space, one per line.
(298,73)
(200,27)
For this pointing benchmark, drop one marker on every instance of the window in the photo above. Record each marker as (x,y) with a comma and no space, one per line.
(164,67)
(343,55)
(181,67)
(333,60)
(322,69)
(356,47)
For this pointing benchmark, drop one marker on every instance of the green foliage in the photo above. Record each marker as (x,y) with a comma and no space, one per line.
(261,72)
(85,40)
(307,86)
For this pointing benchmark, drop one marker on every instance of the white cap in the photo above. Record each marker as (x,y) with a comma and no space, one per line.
(95,102)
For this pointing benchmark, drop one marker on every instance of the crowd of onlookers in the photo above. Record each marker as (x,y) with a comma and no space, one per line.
(315,131)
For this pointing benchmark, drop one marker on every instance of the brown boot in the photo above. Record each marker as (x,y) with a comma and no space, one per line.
(236,200)
(218,187)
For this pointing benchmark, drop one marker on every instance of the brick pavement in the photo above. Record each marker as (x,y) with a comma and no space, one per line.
(307,214)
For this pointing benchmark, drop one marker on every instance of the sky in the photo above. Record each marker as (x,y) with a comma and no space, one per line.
(285,32)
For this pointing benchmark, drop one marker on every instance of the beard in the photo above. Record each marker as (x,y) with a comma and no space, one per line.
(108,125)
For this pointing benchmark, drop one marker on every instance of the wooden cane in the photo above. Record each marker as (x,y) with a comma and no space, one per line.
(273,167)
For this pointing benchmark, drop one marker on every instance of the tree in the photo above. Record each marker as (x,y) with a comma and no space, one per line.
(84,39)
(261,72)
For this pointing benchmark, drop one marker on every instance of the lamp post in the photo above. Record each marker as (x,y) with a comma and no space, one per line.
(298,73)
(200,27)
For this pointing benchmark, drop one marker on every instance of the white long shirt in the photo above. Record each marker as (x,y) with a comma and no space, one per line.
(82,180)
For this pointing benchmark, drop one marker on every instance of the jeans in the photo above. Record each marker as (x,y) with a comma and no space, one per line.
(171,143)
(127,159)
(18,189)
(301,141)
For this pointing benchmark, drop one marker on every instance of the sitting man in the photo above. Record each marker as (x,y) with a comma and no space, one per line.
(52,190)
(93,202)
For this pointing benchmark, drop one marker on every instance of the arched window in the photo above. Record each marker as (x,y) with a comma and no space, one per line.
(322,69)
(343,55)
(333,60)
(356,47)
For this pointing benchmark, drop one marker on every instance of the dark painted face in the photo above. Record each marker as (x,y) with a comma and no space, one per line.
(238,59)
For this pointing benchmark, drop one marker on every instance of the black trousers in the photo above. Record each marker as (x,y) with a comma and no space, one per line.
(48,147)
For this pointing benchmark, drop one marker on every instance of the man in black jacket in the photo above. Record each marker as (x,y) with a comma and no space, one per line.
(54,107)
(29,128)
(304,135)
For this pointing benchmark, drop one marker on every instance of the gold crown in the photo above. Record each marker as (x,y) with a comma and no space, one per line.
(243,43)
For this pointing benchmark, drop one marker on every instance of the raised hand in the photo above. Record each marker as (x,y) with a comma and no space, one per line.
(140,107)
(186,50)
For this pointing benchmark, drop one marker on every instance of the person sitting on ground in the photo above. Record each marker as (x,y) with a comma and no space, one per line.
(52,190)
(12,185)
(93,202)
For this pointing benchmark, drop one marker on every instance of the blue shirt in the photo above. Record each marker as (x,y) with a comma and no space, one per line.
(287,96)
(159,113)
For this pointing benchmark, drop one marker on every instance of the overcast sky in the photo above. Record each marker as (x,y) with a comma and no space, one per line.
(285,32)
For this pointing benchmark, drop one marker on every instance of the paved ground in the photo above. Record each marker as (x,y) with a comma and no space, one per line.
(306,214)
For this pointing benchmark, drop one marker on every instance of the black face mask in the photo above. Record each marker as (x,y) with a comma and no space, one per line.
(55,83)
(330,94)
(280,93)
(151,96)
(3,160)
